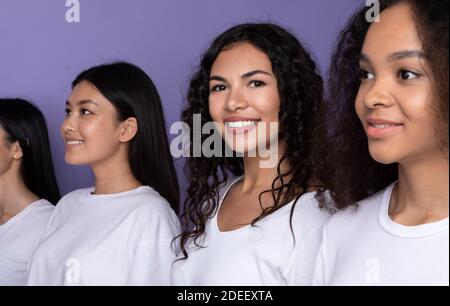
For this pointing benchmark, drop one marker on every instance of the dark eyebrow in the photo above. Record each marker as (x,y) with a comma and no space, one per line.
(82,102)
(244,76)
(252,73)
(396,56)
(217,78)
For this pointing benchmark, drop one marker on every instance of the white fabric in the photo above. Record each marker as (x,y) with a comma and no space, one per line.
(116,239)
(19,237)
(366,247)
(261,255)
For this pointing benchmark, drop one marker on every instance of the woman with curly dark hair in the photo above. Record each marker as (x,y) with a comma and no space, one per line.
(391,155)
(251,218)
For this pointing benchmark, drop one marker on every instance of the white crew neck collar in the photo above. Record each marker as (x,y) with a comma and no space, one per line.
(400,230)
(21,214)
(114,195)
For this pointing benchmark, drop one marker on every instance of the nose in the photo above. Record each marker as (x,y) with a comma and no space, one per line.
(68,125)
(378,95)
(236,100)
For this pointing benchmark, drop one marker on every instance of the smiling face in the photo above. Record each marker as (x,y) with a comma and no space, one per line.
(394,102)
(244,97)
(91,129)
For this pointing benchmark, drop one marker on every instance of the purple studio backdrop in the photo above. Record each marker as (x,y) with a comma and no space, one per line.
(41,52)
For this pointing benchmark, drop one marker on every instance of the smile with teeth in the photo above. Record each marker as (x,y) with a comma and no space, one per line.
(74,142)
(380,130)
(383,126)
(240,124)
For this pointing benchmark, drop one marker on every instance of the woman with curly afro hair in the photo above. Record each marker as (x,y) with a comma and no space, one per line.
(389,93)
(247,222)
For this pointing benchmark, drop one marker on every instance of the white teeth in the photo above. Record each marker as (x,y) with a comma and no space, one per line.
(383,126)
(74,142)
(240,124)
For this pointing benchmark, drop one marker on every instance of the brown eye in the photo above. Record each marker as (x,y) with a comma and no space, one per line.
(84,111)
(365,75)
(406,75)
(257,83)
(218,88)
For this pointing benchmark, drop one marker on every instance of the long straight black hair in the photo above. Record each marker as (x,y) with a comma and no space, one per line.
(25,124)
(133,94)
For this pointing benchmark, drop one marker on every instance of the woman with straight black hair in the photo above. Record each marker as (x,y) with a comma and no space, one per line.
(27,186)
(118,232)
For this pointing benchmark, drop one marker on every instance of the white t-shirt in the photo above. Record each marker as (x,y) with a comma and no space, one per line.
(261,255)
(18,239)
(366,247)
(116,239)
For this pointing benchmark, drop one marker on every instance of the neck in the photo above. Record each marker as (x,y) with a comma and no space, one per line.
(260,177)
(14,195)
(422,194)
(114,175)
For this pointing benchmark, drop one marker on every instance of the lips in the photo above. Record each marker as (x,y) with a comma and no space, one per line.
(380,128)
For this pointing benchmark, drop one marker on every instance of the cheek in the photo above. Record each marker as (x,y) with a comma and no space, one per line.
(415,101)
(359,105)
(421,127)
(100,135)
(5,159)
(416,107)
(215,106)
(267,104)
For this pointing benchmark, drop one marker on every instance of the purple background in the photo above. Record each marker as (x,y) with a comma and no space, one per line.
(41,53)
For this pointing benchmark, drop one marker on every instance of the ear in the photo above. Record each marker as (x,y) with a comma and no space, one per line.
(16,151)
(128,129)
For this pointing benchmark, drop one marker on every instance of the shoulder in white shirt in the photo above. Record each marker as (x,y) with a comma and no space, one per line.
(115,239)
(364,246)
(264,254)
(18,240)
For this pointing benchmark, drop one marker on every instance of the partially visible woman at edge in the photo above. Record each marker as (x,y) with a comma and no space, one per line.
(118,232)
(389,82)
(253,223)
(27,186)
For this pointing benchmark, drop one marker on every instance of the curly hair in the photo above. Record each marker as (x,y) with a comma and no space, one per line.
(301,94)
(349,172)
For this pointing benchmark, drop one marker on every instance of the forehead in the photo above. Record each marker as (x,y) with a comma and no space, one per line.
(85,91)
(396,31)
(241,58)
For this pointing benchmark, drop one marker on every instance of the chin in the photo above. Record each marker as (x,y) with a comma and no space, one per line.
(245,149)
(73,160)
(383,156)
